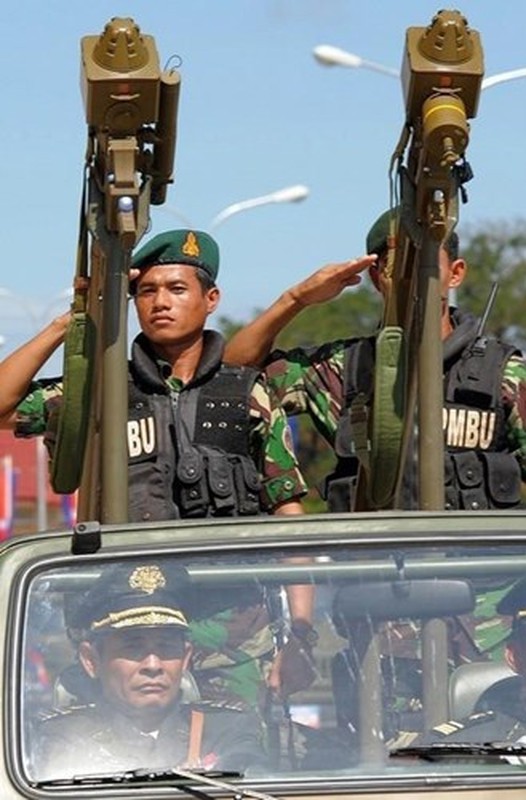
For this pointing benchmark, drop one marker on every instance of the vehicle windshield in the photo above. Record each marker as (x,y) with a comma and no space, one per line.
(159,661)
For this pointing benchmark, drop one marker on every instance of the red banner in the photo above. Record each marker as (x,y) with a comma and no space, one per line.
(7,497)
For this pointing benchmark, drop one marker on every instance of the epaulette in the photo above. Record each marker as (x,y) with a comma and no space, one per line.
(217,705)
(453,725)
(54,713)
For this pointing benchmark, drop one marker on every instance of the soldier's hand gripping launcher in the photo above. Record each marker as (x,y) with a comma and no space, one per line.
(441,77)
(131,112)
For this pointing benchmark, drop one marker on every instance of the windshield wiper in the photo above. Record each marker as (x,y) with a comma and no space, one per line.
(191,781)
(460,750)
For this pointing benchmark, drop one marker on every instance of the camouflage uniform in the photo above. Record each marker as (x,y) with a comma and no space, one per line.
(233,644)
(227,665)
(269,434)
(312,381)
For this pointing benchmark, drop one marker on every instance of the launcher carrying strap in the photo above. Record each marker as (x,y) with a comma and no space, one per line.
(79,349)
(388,415)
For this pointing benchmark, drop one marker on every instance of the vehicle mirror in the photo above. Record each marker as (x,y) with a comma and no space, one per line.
(419,599)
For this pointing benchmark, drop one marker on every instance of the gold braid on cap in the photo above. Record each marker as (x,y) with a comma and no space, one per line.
(145,616)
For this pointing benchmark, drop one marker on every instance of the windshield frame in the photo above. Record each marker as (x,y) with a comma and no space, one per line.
(275,545)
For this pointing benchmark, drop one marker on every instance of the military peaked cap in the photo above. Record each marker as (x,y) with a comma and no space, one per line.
(144,594)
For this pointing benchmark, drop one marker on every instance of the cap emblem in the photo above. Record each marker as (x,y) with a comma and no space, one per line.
(191,247)
(147,579)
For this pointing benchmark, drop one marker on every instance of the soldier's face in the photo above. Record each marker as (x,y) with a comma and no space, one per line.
(171,304)
(139,670)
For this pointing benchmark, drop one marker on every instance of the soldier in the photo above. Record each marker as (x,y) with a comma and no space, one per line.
(234,455)
(203,439)
(484,429)
(500,712)
(134,649)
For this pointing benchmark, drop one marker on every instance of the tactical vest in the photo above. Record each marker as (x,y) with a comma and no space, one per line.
(188,452)
(480,471)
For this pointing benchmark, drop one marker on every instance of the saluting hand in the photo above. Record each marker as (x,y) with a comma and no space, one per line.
(327,282)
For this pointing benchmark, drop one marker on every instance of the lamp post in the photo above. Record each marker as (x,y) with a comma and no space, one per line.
(330,56)
(41,458)
(290,194)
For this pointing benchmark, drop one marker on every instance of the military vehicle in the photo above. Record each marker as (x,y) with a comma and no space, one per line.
(409,637)
(407,666)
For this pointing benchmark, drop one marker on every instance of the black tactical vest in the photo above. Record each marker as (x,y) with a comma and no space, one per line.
(480,471)
(188,452)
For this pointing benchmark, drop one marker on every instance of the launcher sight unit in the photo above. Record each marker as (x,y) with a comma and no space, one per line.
(131,113)
(441,79)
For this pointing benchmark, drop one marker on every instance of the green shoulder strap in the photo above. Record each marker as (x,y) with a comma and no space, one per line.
(388,415)
(72,424)
(79,349)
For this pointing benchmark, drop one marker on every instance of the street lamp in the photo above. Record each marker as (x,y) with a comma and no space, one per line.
(331,56)
(290,194)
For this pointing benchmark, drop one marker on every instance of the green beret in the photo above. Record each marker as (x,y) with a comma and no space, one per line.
(195,248)
(376,240)
(145,594)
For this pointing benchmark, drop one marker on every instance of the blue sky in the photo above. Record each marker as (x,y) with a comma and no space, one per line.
(257,113)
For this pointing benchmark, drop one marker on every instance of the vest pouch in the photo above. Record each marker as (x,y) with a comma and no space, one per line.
(193,491)
(468,469)
(469,479)
(248,487)
(503,479)
(473,499)
(451,494)
(221,484)
(338,492)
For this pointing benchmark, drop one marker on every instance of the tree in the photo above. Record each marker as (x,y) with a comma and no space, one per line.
(496,251)
(355,313)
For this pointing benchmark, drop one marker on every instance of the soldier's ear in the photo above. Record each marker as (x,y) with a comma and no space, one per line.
(457,272)
(89,658)
(188,655)
(514,658)
(212,299)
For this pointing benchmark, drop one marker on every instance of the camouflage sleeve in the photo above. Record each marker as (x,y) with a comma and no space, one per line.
(514,399)
(310,380)
(33,411)
(272,448)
